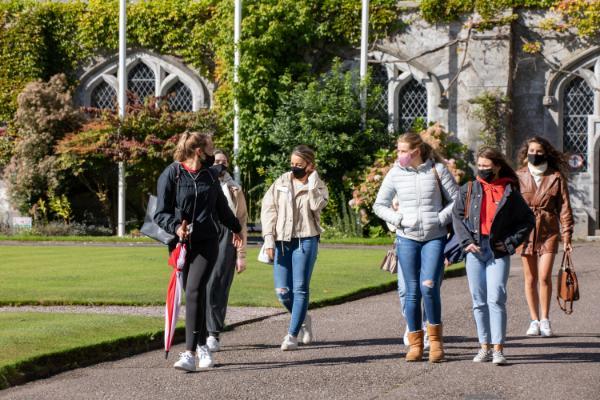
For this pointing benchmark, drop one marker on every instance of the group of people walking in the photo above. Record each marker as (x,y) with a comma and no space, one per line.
(491,216)
(201,204)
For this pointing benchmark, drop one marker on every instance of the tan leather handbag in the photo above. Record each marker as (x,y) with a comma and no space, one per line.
(390,261)
(567,287)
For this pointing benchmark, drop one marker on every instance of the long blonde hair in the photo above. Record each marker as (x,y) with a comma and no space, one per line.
(188,143)
(415,141)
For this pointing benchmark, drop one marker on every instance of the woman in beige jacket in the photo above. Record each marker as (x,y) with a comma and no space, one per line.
(229,258)
(290,217)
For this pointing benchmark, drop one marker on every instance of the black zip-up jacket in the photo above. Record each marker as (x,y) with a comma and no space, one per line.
(511,224)
(201,199)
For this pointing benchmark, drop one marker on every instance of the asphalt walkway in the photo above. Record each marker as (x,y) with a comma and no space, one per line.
(358,355)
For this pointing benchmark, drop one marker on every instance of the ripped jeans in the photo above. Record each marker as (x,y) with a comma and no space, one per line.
(292,269)
(422,265)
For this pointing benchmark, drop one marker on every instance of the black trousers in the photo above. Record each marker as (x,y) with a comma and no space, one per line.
(219,283)
(201,259)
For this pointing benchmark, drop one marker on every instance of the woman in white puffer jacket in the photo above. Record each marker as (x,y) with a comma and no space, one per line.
(425,190)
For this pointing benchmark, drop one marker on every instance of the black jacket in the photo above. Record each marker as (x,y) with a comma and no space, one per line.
(178,193)
(511,225)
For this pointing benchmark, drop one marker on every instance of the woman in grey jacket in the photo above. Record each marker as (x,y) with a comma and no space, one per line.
(426,191)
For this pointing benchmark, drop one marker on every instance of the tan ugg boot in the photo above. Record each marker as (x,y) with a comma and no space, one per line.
(415,340)
(436,343)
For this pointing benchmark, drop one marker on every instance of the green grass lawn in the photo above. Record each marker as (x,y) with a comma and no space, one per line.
(139,275)
(26,335)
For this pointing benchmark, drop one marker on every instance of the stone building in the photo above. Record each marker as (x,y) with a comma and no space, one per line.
(435,71)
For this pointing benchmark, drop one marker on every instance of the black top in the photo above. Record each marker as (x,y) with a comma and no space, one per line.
(511,224)
(182,195)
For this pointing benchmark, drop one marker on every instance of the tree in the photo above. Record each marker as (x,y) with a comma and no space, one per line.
(45,113)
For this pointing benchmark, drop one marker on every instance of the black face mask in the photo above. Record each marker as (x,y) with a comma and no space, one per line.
(298,172)
(208,161)
(486,174)
(536,159)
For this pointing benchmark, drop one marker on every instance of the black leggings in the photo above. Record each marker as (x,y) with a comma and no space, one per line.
(201,259)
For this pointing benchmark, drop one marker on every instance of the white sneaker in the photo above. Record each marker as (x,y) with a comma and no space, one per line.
(483,356)
(306,334)
(289,343)
(186,362)
(534,328)
(213,344)
(405,339)
(545,328)
(205,359)
(498,358)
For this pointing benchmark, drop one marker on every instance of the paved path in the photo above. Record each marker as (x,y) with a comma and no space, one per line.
(358,355)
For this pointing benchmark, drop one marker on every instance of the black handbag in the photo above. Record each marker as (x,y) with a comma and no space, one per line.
(151,228)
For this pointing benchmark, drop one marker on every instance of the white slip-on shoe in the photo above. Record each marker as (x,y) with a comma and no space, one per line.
(205,359)
(213,344)
(534,328)
(545,328)
(289,343)
(186,362)
(483,356)
(308,335)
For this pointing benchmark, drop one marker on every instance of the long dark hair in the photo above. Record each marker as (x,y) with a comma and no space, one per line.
(498,159)
(557,160)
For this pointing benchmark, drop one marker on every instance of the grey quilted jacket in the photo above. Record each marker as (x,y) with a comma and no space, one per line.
(421,214)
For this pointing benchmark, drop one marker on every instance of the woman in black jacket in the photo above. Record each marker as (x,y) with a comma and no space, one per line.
(190,204)
(498,221)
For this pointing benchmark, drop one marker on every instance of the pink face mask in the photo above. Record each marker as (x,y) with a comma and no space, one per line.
(405,159)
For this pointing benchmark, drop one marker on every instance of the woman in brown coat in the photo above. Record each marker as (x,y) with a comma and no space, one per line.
(543,180)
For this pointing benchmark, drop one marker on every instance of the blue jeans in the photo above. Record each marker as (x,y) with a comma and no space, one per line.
(487,281)
(292,269)
(422,265)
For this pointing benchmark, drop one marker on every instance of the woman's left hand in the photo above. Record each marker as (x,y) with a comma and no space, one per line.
(240,265)
(237,240)
(567,246)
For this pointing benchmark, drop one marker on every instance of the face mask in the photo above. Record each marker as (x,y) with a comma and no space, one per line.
(405,159)
(298,172)
(536,159)
(208,161)
(486,174)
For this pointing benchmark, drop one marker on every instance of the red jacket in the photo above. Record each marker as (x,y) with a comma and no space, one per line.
(492,194)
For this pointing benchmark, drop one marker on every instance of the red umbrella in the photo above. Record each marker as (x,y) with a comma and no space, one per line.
(177,261)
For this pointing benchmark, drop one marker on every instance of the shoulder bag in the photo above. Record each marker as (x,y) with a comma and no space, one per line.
(151,228)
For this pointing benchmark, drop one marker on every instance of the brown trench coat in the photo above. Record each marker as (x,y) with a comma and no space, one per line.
(550,205)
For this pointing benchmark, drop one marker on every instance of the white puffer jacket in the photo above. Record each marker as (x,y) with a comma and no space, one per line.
(421,215)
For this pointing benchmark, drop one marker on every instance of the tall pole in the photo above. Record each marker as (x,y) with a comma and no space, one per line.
(364,48)
(237,27)
(122,104)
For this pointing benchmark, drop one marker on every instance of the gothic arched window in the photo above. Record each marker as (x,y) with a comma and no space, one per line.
(578,105)
(103,96)
(180,98)
(412,104)
(141,82)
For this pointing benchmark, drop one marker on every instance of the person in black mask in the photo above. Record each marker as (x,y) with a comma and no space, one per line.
(190,204)
(229,260)
(544,184)
(498,221)
(290,216)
